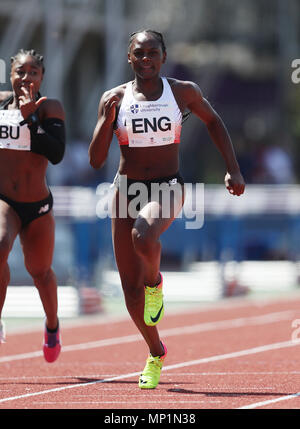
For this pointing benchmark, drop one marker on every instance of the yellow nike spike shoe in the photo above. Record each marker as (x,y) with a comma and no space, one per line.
(154,306)
(150,376)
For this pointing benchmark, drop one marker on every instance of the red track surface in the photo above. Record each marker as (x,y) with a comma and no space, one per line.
(228,355)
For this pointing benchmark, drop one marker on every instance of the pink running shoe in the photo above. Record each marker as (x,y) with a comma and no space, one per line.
(52,345)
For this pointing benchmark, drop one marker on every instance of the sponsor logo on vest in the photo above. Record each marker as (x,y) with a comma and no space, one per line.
(142,125)
(134,108)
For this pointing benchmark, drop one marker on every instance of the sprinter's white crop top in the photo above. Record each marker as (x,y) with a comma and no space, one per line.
(149,123)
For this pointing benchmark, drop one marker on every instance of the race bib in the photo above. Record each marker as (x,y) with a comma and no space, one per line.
(12,134)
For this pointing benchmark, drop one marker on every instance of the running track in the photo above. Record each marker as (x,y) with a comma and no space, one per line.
(233,354)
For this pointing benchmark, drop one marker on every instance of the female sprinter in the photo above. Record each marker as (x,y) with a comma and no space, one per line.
(32,132)
(146,115)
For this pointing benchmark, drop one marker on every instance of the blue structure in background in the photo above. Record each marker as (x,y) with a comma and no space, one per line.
(238,238)
(92,241)
(255,237)
(262,225)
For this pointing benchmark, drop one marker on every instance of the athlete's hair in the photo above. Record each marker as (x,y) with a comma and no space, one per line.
(39,59)
(154,33)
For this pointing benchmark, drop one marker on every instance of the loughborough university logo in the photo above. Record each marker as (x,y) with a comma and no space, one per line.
(134,108)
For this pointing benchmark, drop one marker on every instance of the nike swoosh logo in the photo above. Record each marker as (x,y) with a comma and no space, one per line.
(155,319)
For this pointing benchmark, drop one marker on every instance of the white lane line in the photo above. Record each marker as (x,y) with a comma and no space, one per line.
(40,378)
(270,401)
(216,358)
(201,327)
(72,386)
(145,402)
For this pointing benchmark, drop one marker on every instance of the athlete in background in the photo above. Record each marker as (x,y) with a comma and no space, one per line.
(146,116)
(32,132)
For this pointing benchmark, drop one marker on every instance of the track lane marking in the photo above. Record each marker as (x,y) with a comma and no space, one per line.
(201,327)
(268,402)
(216,358)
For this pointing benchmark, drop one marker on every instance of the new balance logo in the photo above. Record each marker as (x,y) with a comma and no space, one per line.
(44,209)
